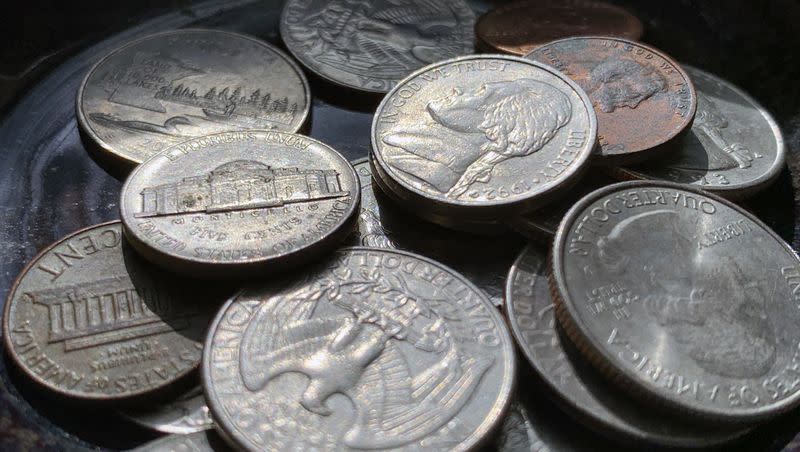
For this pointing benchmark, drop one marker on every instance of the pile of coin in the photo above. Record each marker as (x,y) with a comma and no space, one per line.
(258,284)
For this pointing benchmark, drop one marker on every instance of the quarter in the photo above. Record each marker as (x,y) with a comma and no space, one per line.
(187,413)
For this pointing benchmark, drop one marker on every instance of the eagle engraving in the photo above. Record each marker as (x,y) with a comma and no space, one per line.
(357,354)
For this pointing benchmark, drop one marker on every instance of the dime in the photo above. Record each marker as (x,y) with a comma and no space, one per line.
(584,391)
(238,202)
(735,147)
(170,87)
(188,413)
(519,27)
(205,441)
(381,224)
(642,97)
(88,319)
(684,297)
(370,46)
(372,349)
(480,137)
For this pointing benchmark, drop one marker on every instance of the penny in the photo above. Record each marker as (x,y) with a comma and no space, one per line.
(88,319)
(519,27)
(205,441)
(239,202)
(683,297)
(371,349)
(370,46)
(630,85)
(481,137)
(170,87)
(381,224)
(187,413)
(574,382)
(735,147)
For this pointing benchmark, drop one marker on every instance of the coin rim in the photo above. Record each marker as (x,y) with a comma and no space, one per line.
(7,342)
(741,190)
(602,358)
(216,269)
(121,155)
(571,176)
(482,433)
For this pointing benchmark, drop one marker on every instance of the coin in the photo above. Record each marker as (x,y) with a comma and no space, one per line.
(481,137)
(205,441)
(187,413)
(370,46)
(683,297)
(381,224)
(88,319)
(516,433)
(630,85)
(519,27)
(735,147)
(371,349)
(239,202)
(170,87)
(575,383)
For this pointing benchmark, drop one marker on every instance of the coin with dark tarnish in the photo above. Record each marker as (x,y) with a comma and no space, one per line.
(187,413)
(735,147)
(630,84)
(381,224)
(236,203)
(88,319)
(371,349)
(481,137)
(371,45)
(205,441)
(682,296)
(577,385)
(519,27)
(174,86)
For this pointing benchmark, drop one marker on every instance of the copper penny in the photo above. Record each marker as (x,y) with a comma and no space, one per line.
(642,97)
(519,27)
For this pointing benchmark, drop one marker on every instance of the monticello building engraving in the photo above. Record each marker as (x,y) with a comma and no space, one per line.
(240,185)
(104,311)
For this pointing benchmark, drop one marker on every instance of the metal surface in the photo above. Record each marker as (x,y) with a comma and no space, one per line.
(370,46)
(734,149)
(187,413)
(447,139)
(89,319)
(683,297)
(519,27)
(370,349)
(194,442)
(630,84)
(167,88)
(236,203)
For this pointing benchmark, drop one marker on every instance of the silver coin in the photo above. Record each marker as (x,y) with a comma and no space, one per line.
(683,296)
(88,319)
(238,202)
(580,388)
(187,413)
(735,147)
(371,45)
(170,87)
(195,442)
(381,224)
(481,137)
(371,349)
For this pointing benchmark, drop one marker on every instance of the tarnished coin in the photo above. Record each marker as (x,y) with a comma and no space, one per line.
(187,413)
(372,349)
(735,147)
(642,97)
(205,441)
(682,296)
(238,202)
(170,87)
(381,224)
(88,319)
(519,27)
(479,137)
(573,381)
(371,45)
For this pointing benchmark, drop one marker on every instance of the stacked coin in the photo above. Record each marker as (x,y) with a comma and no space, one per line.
(664,316)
